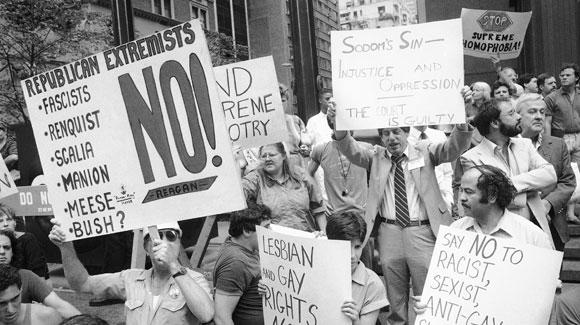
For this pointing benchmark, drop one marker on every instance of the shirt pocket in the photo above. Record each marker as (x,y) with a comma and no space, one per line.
(133,304)
(173,305)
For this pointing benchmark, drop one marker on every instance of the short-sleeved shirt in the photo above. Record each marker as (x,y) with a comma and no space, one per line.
(368,291)
(34,288)
(341,177)
(510,226)
(565,114)
(237,272)
(33,255)
(134,286)
(293,201)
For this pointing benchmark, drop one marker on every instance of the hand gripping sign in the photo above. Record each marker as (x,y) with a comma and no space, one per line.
(134,136)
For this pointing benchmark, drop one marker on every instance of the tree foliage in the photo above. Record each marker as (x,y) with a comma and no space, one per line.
(39,35)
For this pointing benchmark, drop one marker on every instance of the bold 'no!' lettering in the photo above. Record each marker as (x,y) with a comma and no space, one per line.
(142,116)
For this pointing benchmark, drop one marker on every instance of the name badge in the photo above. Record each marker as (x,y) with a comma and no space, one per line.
(416,163)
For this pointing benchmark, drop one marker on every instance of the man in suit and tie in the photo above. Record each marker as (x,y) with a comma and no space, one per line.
(404,192)
(499,124)
(555,197)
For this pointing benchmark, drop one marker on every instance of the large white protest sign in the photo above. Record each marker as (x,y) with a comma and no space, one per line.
(478,279)
(307,279)
(488,33)
(7,186)
(399,76)
(134,136)
(251,102)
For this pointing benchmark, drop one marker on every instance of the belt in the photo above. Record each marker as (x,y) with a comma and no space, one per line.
(412,223)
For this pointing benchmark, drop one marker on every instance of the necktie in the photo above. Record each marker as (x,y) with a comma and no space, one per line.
(401,204)
(423,136)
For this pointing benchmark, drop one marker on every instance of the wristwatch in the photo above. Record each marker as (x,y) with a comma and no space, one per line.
(181,271)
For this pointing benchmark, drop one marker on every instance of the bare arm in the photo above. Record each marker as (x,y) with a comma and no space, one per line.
(64,308)
(225,304)
(197,299)
(312,167)
(548,125)
(369,319)
(74,271)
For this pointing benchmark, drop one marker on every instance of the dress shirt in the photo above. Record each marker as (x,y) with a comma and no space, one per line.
(318,129)
(416,207)
(510,226)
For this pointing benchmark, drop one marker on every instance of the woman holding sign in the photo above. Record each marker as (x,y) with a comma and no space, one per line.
(292,196)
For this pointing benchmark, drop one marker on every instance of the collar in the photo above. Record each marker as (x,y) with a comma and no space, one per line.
(405,152)
(505,224)
(144,275)
(360,275)
(271,181)
(537,141)
(492,146)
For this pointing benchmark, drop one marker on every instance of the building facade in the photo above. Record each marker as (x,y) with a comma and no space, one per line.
(363,14)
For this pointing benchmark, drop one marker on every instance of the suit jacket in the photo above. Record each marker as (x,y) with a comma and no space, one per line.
(379,165)
(554,150)
(528,171)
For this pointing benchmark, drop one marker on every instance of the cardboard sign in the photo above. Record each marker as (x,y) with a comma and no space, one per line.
(29,201)
(7,186)
(251,102)
(478,279)
(399,76)
(134,136)
(307,279)
(488,33)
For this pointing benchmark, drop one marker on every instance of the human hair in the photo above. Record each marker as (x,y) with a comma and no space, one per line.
(573,66)
(498,84)
(486,89)
(405,129)
(248,219)
(542,78)
(9,276)
(525,78)
(494,183)
(287,169)
(346,225)
(6,210)
(84,319)
(526,99)
(488,113)
(16,255)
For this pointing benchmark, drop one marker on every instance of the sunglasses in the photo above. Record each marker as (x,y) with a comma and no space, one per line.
(169,234)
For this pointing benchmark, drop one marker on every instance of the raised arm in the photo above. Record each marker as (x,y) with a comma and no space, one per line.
(457,143)
(74,271)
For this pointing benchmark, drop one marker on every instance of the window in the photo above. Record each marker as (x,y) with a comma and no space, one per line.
(162,7)
(201,14)
(224,17)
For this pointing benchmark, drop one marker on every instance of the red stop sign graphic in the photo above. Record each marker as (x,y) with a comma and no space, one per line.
(494,21)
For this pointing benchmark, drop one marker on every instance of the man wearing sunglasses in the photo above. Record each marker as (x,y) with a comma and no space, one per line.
(168,293)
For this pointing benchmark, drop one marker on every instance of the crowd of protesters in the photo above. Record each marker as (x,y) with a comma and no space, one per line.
(506,173)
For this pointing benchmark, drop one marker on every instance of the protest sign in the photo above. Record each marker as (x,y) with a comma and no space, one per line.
(251,102)
(7,186)
(134,136)
(307,279)
(478,279)
(488,33)
(399,76)
(29,201)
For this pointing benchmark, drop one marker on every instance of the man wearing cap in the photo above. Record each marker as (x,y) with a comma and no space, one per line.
(168,293)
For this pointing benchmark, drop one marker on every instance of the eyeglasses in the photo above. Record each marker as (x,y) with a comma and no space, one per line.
(169,234)
(269,155)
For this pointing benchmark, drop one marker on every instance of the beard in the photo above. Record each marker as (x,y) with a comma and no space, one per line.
(509,130)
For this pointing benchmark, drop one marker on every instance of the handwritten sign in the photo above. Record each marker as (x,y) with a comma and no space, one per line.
(488,33)
(7,186)
(477,279)
(251,102)
(399,76)
(307,279)
(29,201)
(134,136)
